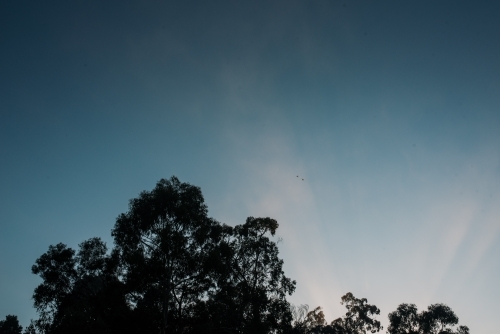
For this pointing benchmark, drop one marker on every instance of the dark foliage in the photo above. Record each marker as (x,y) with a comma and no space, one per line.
(437,319)
(358,319)
(10,325)
(164,241)
(175,270)
(80,294)
(251,288)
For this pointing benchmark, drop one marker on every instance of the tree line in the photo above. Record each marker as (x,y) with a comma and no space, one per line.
(173,269)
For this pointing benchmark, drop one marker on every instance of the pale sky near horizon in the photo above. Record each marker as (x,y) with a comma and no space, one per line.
(389,110)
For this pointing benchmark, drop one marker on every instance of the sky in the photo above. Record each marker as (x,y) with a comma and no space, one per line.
(389,111)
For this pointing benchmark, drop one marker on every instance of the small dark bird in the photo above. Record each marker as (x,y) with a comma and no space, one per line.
(302,179)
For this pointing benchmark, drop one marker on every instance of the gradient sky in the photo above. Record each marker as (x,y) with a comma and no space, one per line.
(390,111)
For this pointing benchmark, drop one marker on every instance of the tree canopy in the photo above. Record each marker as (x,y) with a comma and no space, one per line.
(437,319)
(10,325)
(173,269)
(164,241)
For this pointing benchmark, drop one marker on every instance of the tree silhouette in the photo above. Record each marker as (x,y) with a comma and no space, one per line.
(437,319)
(175,270)
(10,325)
(359,319)
(164,240)
(79,294)
(305,321)
(405,320)
(256,286)
(57,269)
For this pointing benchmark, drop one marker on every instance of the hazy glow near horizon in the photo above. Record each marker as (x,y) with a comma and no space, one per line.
(389,111)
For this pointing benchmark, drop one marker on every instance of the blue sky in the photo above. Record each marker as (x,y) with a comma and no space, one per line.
(390,111)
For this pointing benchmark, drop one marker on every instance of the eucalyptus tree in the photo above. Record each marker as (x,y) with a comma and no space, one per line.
(437,319)
(405,320)
(440,318)
(359,318)
(165,241)
(80,292)
(256,287)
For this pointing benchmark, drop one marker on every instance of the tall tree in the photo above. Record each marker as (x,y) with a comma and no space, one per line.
(164,240)
(10,325)
(257,287)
